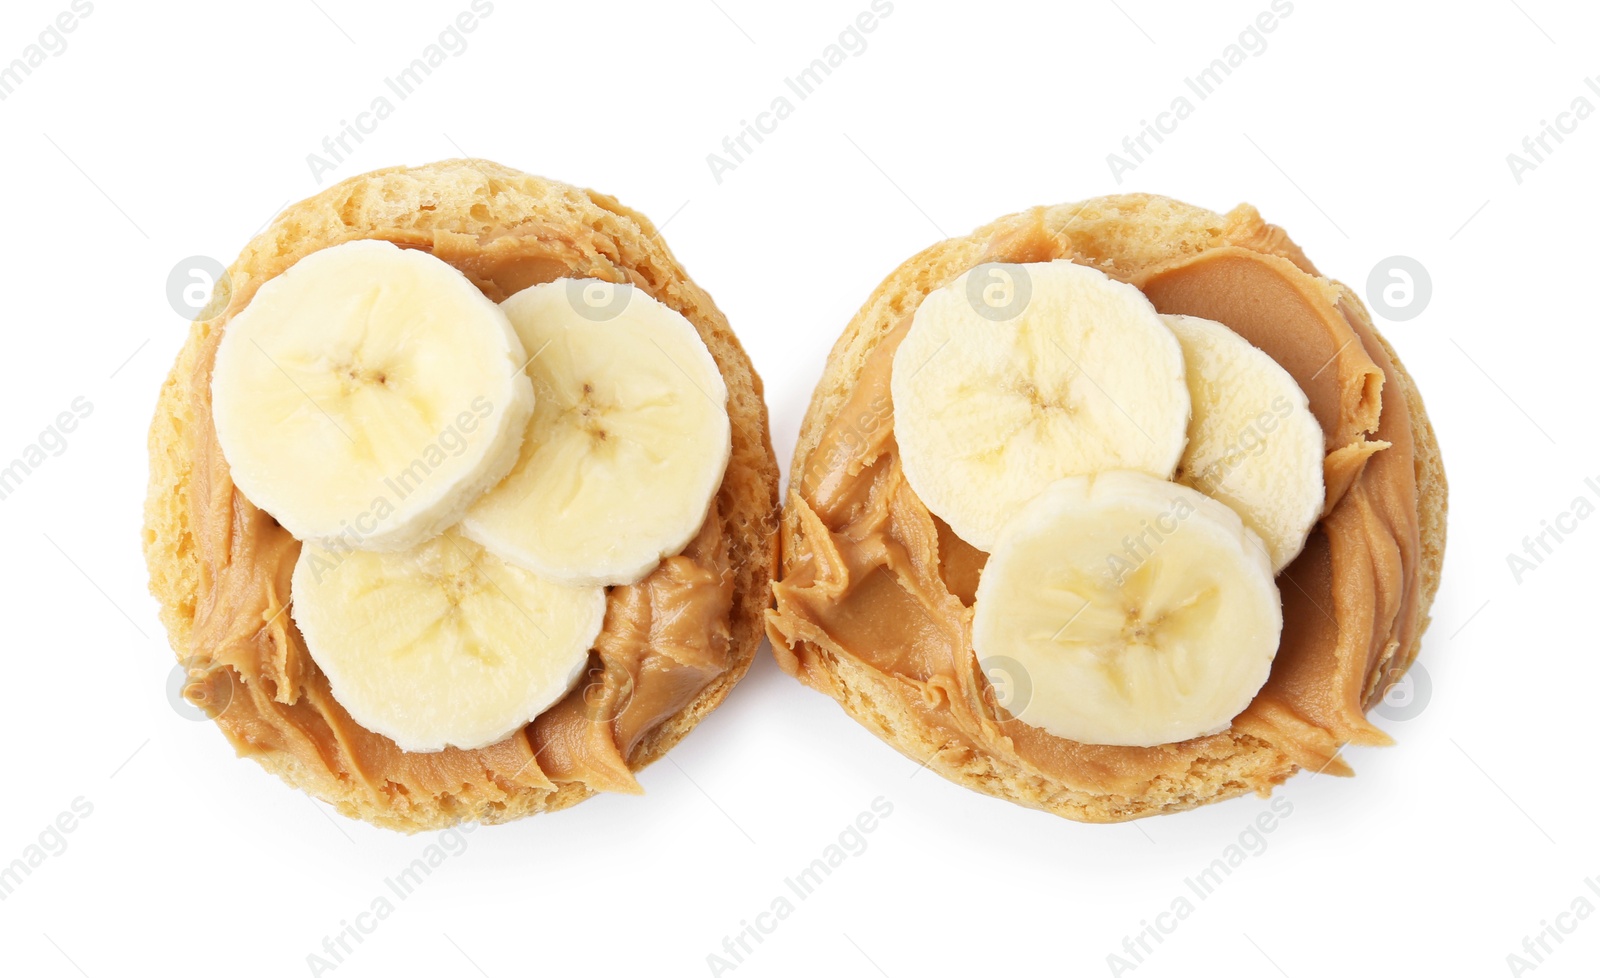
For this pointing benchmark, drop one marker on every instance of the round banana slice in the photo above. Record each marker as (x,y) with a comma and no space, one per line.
(1014,376)
(1135,611)
(368,395)
(628,441)
(443,645)
(1253,441)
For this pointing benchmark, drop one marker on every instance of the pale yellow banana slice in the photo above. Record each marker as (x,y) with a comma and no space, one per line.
(1124,609)
(628,441)
(443,645)
(1014,376)
(1253,441)
(368,395)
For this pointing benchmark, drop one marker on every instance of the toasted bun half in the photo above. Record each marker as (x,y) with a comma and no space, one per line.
(461,210)
(1122,236)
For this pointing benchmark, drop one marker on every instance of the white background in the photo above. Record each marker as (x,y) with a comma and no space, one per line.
(1369,129)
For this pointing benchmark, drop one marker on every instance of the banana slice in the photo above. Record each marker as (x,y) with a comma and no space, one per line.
(1137,611)
(1014,376)
(368,395)
(443,645)
(628,442)
(1253,441)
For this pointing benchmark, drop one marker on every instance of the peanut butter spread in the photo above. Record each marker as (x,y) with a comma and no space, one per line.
(876,579)
(664,640)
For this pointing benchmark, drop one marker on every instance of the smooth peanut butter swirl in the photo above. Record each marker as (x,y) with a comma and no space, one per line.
(876,581)
(665,639)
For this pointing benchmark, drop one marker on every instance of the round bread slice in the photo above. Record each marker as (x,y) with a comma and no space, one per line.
(220,567)
(1123,236)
